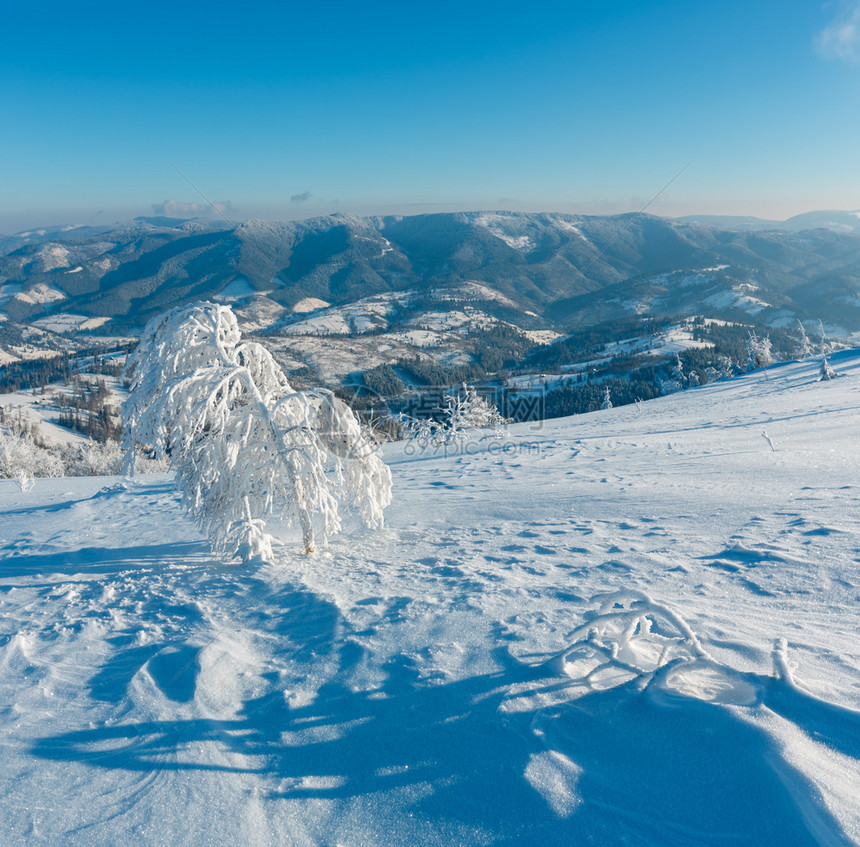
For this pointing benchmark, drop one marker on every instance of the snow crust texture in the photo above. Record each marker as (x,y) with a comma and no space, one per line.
(637,626)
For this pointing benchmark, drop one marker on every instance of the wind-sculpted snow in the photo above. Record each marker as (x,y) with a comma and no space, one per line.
(633,627)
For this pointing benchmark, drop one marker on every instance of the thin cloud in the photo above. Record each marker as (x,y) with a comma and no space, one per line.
(841,39)
(177,209)
(301,198)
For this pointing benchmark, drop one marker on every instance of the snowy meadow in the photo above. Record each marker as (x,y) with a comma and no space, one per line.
(637,626)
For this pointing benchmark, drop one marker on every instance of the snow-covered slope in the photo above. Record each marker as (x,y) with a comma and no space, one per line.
(637,626)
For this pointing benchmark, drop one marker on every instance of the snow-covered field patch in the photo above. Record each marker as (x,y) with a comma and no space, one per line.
(361,316)
(471,290)
(309,304)
(542,336)
(69,323)
(53,256)
(238,289)
(259,312)
(737,298)
(40,413)
(39,294)
(506,228)
(446,321)
(635,626)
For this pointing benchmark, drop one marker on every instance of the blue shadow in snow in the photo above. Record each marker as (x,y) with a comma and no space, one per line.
(654,769)
(104,560)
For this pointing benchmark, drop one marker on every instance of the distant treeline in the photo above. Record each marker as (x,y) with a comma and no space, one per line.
(417,386)
(98,424)
(579,399)
(580,345)
(37,373)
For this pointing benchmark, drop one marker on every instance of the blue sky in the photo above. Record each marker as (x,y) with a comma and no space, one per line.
(288,110)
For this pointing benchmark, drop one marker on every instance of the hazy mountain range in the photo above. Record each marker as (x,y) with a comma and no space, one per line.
(541,270)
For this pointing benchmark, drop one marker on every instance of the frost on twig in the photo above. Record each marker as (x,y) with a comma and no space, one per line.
(629,636)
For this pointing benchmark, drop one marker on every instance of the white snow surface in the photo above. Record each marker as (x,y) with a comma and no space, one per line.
(638,626)
(309,304)
(65,322)
(507,228)
(39,294)
(737,298)
(237,289)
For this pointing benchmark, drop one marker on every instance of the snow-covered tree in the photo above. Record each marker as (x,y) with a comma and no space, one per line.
(424,432)
(826,372)
(824,345)
(243,443)
(464,412)
(805,348)
(607,399)
(20,454)
(670,386)
(25,482)
(726,368)
(471,411)
(677,378)
(759,352)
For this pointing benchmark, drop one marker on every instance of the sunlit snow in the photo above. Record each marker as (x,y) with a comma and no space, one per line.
(636,626)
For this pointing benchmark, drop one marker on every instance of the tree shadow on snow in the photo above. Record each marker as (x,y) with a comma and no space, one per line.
(106,560)
(623,765)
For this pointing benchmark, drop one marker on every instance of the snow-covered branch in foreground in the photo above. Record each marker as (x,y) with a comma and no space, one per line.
(630,634)
(243,443)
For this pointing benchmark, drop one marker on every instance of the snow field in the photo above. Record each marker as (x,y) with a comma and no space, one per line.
(636,626)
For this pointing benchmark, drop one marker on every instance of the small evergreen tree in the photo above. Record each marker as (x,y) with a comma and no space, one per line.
(678,372)
(607,400)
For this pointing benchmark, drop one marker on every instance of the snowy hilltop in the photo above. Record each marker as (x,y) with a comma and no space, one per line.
(636,626)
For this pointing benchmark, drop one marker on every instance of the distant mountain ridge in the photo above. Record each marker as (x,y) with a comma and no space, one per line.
(837,221)
(554,270)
